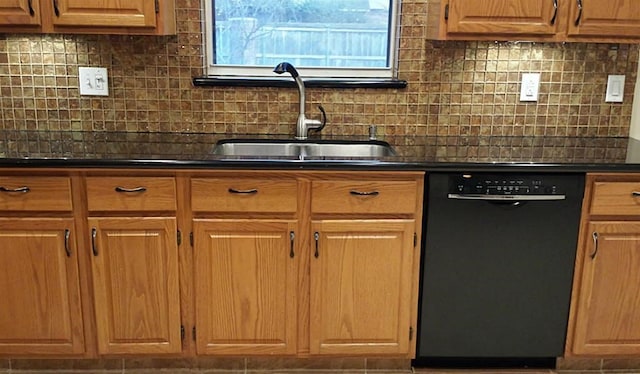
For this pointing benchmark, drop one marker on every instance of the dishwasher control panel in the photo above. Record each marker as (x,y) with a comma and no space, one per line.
(502,184)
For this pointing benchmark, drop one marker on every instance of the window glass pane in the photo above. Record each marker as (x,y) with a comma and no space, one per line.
(307,33)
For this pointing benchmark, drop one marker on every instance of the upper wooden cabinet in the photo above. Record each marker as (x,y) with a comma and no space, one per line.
(155,17)
(604,19)
(535,20)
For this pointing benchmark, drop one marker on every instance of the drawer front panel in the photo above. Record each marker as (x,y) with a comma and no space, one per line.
(616,198)
(364,197)
(35,194)
(131,193)
(244,195)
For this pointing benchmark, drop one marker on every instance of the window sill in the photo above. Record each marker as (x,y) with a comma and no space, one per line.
(212,81)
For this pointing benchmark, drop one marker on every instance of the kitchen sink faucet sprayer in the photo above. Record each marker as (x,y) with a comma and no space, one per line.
(304,124)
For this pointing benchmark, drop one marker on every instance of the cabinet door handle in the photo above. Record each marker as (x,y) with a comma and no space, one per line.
(555,12)
(31,11)
(56,10)
(131,190)
(292,237)
(635,194)
(579,2)
(67,249)
(316,236)
(24,189)
(594,236)
(94,247)
(363,193)
(245,192)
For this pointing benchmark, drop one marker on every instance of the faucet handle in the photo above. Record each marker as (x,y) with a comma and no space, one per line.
(316,125)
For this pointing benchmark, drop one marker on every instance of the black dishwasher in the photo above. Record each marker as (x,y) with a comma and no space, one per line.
(497,268)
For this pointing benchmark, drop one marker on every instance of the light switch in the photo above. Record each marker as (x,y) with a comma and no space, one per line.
(93,81)
(529,87)
(615,89)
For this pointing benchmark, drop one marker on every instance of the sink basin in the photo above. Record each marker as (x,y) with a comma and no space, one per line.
(303,148)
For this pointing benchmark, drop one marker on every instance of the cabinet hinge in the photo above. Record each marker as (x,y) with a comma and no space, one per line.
(157,6)
(446,12)
(193,333)
(182,333)
(410,333)
(415,239)
(191,239)
(179,237)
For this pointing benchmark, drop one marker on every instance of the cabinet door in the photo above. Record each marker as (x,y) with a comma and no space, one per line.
(360,283)
(135,279)
(107,13)
(507,17)
(608,317)
(39,287)
(611,18)
(246,279)
(20,12)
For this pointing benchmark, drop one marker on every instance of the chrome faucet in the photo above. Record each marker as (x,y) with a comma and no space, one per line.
(304,125)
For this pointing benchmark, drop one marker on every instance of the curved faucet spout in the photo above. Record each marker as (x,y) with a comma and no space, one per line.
(303,124)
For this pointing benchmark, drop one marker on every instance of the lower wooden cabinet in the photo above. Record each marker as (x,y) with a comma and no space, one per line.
(135,283)
(245,286)
(40,312)
(361,272)
(608,310)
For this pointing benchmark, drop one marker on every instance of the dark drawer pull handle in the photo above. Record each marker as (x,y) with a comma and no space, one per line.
(635,194)
(94,248)
(361,193)
(555,12)
(56,10)
(593,254)
(31,11)
(292,238)
(244,192)
(67,249)
(316,237)
(16,190)
(130,190)
(577,23)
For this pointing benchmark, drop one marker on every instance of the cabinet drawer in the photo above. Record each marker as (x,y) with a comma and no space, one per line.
(363,197)
(131,193)
(244,195)
(35,193)
(616,198)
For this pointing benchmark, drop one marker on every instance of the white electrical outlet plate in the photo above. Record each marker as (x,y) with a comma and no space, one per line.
(529,87)
(93,81)
(615,89)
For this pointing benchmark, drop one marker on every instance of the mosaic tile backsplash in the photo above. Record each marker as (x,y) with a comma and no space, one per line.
(454,88)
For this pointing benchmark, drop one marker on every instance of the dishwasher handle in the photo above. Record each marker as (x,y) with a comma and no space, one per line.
(498,198)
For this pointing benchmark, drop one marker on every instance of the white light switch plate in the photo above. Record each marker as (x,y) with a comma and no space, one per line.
(529,87)
(615,89)
(93,81)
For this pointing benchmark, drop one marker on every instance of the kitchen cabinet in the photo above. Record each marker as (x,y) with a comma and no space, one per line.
(134,264)
(247,255)
(89,16)
(41,310)
(605,19)
(335,253)
(550,20)
(605,315)
(362,265)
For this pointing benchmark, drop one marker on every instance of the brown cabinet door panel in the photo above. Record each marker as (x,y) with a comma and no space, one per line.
(136,291)
(611,18)
(39,287)
(107,13)
(20,12)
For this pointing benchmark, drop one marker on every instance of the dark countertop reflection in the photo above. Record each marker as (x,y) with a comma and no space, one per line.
(127,149)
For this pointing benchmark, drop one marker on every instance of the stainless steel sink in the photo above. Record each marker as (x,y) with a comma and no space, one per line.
(335,149)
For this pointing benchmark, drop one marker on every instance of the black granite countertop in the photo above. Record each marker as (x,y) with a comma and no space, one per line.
(194,150)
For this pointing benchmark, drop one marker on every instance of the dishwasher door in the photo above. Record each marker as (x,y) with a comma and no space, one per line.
(496,275)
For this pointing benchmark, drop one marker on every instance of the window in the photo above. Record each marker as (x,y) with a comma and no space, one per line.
(321,38)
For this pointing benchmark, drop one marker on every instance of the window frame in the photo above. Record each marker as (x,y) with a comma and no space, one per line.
(390,72)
